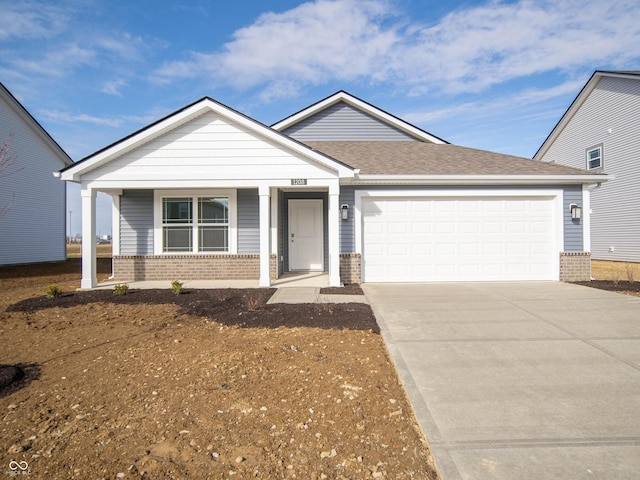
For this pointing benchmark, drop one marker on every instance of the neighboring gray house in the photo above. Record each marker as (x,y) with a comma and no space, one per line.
(341,187)
(601,132)
(33,201)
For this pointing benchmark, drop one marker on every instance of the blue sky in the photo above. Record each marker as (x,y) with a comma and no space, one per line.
(495,75)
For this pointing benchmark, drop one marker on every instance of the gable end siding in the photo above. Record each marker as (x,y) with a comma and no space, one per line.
(342,122)
(613,105)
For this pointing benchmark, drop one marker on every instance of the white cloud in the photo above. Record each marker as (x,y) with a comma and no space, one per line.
(468,50)
(67,117)
(114,87)
(25,19)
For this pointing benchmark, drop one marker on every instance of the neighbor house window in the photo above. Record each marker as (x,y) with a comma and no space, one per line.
(195,224)
(595,158)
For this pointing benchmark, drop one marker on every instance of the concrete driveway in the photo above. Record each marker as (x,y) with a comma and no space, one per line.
(519,380)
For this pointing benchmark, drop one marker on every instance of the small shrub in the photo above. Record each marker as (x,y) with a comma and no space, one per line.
(53,291)
(176,287)
(121,289)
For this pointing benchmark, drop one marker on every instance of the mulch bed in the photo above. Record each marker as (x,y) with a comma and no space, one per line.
(230,306)
(612,286)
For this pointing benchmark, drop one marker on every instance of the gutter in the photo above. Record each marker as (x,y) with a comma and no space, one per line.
(479,179)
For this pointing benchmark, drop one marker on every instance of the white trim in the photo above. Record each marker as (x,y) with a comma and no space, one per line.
(158,195)
(586,219)
(556,194)
(273,192)
(264,204)
(333,221)
(88,199)
(205,183)
(115,224)
(360,105)
(479,179)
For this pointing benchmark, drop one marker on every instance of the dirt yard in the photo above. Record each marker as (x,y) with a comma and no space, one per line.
(208,384)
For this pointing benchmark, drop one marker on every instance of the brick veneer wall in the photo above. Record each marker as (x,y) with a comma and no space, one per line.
(189,267)
(575,266)
(350,268)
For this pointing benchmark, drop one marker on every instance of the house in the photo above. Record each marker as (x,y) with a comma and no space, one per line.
(32,200)
(600,132)
(342,187)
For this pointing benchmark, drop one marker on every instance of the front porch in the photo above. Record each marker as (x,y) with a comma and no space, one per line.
(273,253)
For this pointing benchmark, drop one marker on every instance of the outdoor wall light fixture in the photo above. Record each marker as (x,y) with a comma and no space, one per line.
(344,209)
(576,211)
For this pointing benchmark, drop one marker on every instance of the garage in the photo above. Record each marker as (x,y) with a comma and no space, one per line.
(468,238)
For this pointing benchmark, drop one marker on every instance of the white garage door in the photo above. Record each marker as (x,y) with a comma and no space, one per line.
(458,239)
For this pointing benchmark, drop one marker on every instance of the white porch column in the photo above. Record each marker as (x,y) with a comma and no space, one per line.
(265,234)
(334,235)
(586,219)
(89,278)
(115,224)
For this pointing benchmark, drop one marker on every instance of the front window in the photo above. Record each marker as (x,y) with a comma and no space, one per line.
(195,224)
(595,158)
(213,224)
(177,224)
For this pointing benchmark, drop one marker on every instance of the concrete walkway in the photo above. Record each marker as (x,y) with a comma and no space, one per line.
(519,381)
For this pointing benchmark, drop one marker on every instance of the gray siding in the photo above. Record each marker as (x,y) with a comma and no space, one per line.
(346,123)
(348,227)
(609,116)
(572,228)
(248,221)
(136,222)
(33,229)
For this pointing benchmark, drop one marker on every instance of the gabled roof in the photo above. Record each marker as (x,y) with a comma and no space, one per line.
(411,160)
(183,116)
(577,103)
(342,96)
(23,113)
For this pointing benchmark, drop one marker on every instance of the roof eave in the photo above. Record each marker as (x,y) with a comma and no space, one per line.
(480,179)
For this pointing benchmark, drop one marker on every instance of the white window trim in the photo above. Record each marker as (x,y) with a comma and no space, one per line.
(591,149)
(158,195)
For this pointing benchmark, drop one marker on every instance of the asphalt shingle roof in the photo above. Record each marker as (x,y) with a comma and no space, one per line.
(420,158)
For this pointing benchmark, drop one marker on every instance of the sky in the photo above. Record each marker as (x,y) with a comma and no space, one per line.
(494,75)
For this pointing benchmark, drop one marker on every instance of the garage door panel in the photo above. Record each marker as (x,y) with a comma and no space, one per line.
(467,239)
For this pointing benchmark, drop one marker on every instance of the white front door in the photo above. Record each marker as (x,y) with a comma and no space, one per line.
(306,248)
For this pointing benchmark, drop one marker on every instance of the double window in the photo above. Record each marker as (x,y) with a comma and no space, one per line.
(595,158)
(194,223)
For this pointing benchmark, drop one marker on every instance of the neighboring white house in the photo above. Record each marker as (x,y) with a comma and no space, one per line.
(32,227)
(601,132)
(341,187)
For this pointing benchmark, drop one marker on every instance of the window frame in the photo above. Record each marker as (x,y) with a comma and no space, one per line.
(195,195)
(600,147)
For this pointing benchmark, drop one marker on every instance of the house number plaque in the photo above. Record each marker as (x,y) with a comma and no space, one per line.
(298,181)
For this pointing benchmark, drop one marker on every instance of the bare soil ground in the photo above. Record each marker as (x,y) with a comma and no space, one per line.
(209,384)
